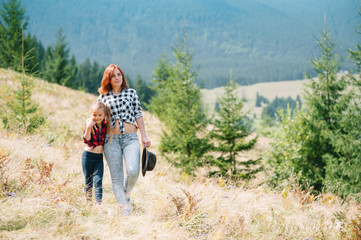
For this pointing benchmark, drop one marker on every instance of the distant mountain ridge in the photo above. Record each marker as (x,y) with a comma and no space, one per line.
(260,40)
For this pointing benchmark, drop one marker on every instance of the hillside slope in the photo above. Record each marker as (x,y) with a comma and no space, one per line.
(41,190)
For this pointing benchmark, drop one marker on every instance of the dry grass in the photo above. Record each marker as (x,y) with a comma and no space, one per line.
(41,191)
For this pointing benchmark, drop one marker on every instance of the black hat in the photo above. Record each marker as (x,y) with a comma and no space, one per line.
(148,161)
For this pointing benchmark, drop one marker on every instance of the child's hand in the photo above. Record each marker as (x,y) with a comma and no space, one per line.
(90,123)
(89,128)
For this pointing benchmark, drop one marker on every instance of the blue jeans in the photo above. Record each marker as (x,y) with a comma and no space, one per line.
(93,169)
(123,146)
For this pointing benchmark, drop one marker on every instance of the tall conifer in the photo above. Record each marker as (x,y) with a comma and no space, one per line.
(343,169)
(178,104)
(308,144)
(12,23)
(323,95)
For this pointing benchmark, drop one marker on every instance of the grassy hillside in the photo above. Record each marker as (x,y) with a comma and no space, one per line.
(41,190)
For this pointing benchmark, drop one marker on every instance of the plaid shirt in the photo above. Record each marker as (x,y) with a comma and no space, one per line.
(125,106)
(96,139)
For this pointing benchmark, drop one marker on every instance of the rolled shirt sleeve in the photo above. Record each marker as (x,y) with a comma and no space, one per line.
(137,107)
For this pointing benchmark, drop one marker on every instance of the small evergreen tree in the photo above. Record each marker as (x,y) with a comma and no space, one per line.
(178,104)
(285,156)
(22,114)
(230,135)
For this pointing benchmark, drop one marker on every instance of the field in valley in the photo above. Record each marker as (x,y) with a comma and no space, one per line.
(269,90)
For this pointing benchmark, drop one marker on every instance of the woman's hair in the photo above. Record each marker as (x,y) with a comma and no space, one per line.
(107,113)
(107,76)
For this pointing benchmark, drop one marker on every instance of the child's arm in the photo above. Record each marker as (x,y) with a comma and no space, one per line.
(88,129)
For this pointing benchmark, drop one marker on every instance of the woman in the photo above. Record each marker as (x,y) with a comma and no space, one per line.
(125,112)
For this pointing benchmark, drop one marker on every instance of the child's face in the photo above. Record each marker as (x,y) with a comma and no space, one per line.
(98,116)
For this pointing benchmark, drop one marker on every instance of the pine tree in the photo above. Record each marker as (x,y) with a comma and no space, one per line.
(322,97)
(178,104)
(22,113)
(230,133)
(308,144)
(343,169)
(57,68)
(12,23)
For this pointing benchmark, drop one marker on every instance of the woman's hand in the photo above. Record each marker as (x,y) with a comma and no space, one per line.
(146,142)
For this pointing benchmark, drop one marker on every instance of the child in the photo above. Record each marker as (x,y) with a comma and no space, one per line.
(92,159)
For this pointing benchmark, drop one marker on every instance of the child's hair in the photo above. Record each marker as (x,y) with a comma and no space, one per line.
(107,113)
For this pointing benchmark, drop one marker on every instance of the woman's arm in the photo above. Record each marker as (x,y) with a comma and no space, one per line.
(141,126)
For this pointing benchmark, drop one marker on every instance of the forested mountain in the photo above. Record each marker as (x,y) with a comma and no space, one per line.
(260,40)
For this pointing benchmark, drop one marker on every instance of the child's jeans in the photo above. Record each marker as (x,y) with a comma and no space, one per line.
(93,169)
(123,146)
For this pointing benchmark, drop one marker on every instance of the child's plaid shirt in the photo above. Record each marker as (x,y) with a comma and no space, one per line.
(96,139)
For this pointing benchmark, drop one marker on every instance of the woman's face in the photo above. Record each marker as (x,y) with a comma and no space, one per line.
(117,79)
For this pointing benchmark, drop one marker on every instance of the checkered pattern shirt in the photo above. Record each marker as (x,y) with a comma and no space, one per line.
(96,139)
(125,106)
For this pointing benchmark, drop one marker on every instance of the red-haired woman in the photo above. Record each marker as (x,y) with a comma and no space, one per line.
(126,118)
